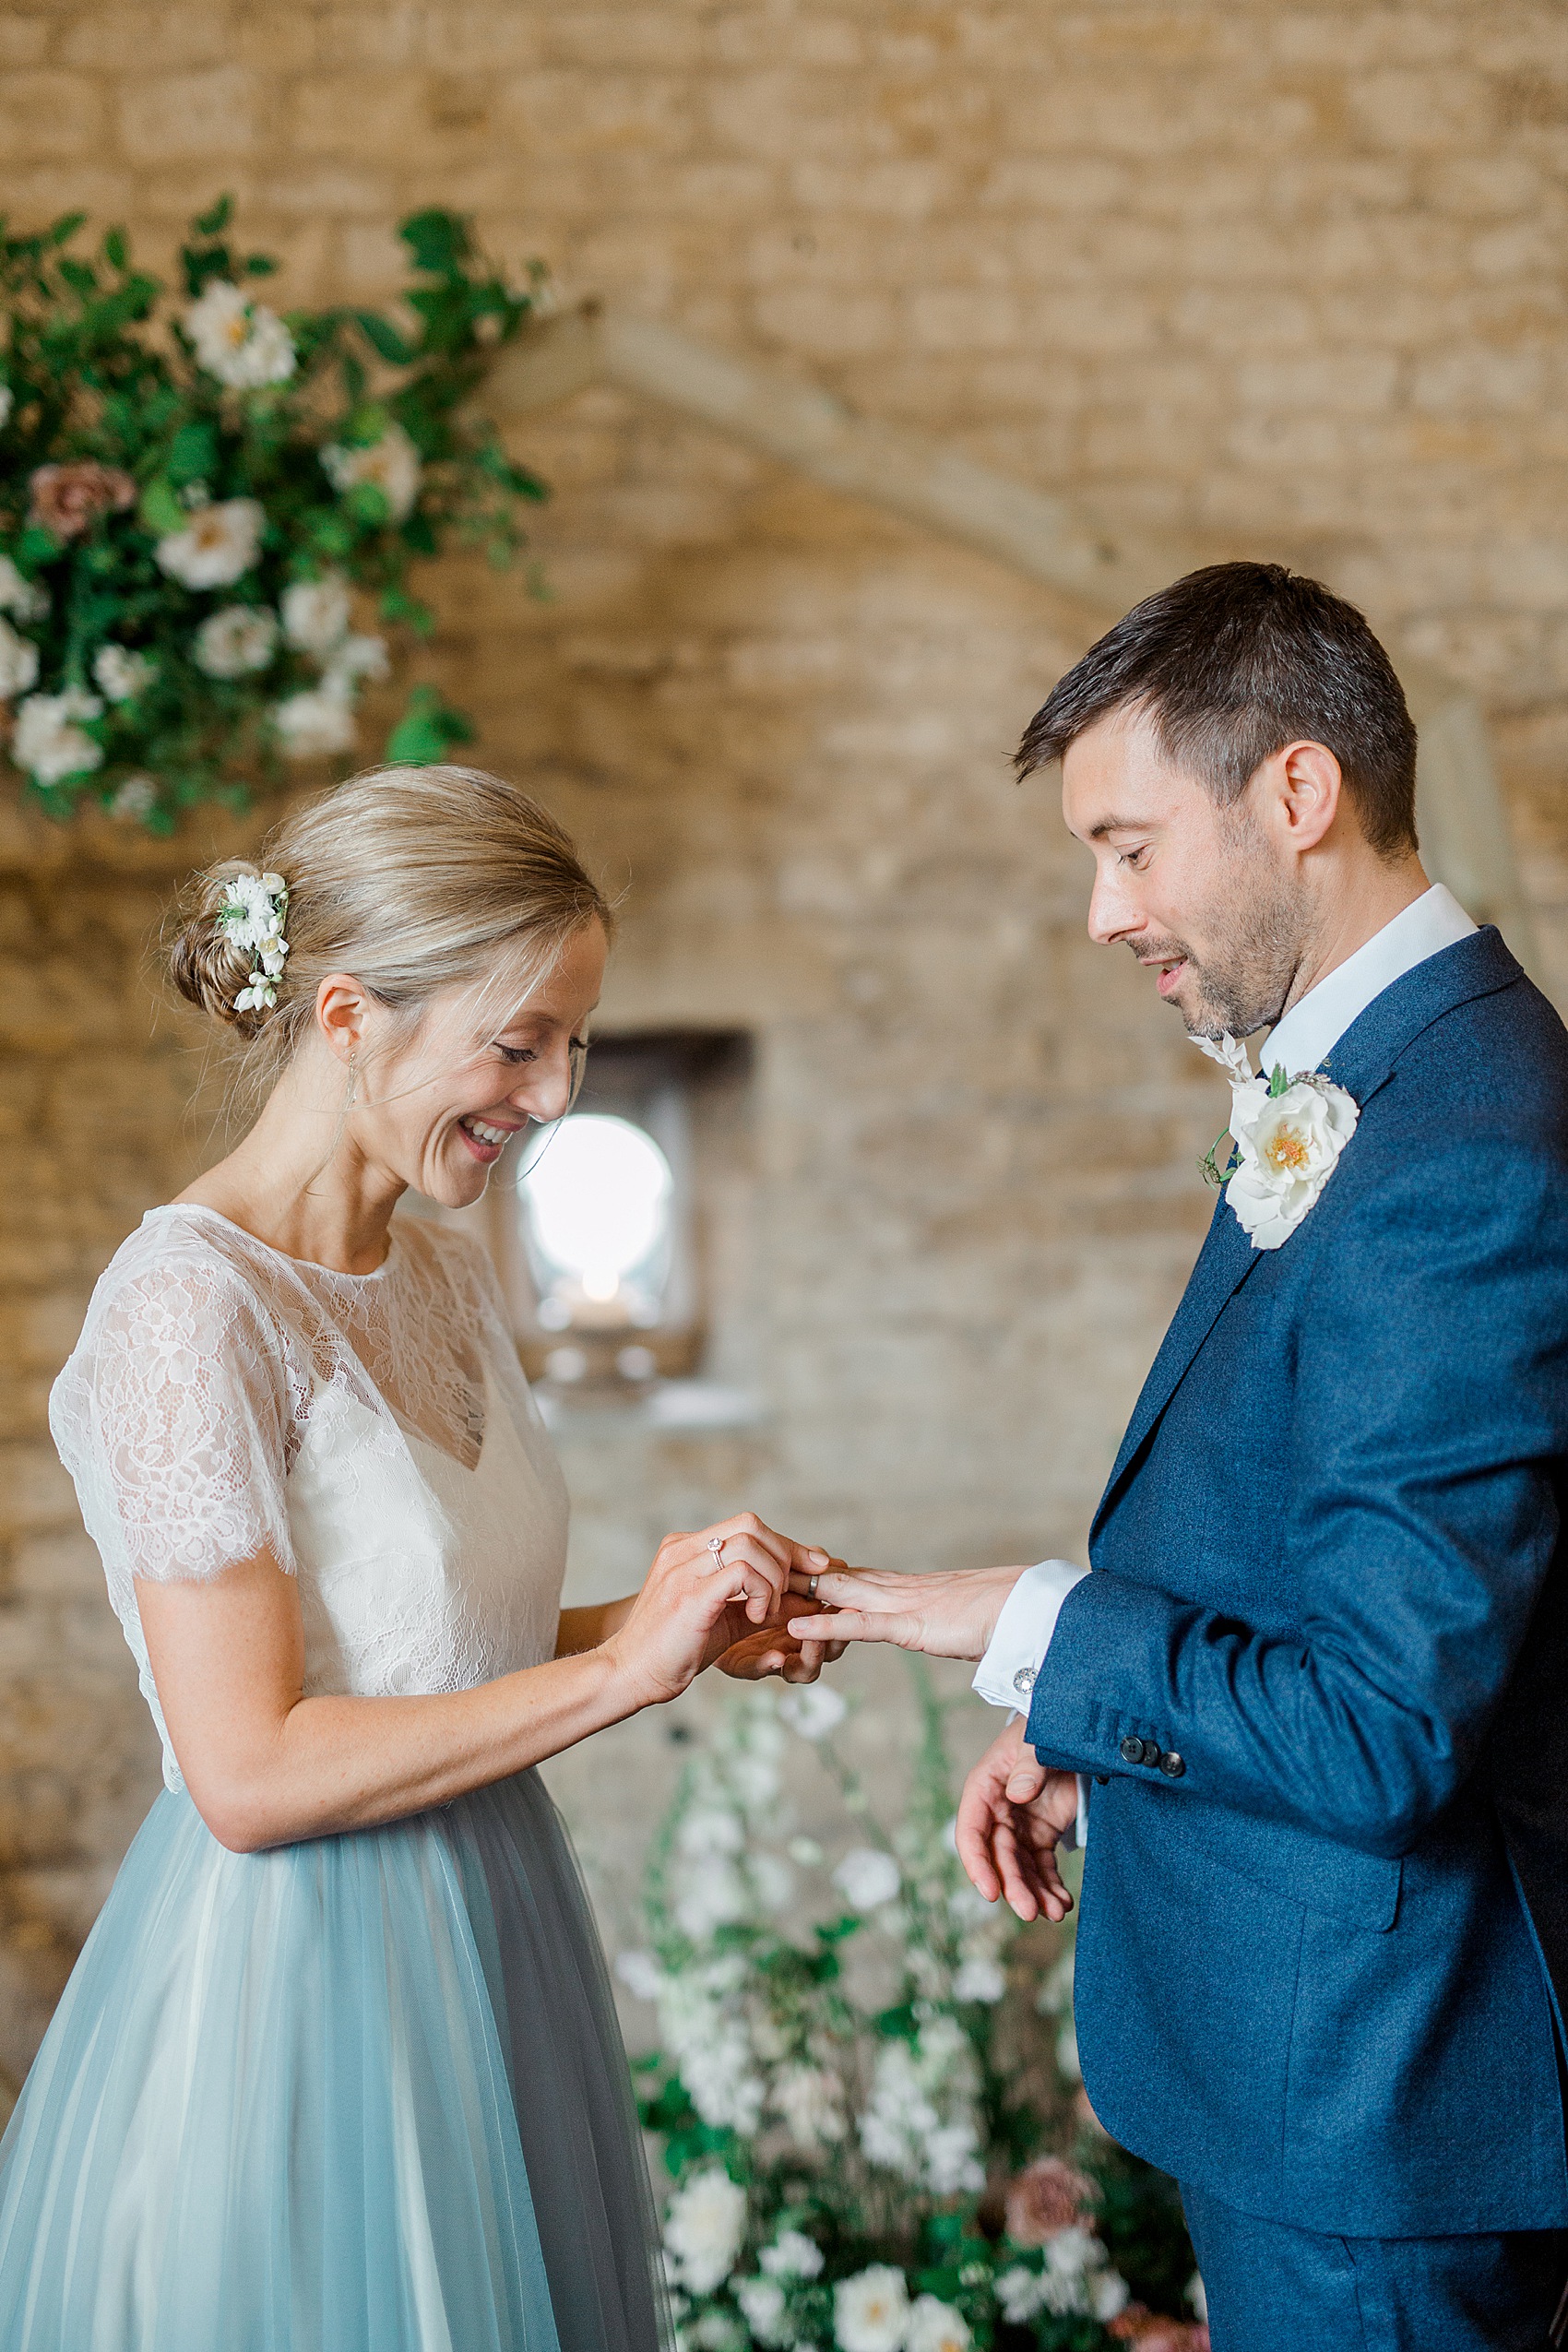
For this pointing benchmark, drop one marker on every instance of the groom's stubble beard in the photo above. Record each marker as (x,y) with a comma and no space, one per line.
(1256,926)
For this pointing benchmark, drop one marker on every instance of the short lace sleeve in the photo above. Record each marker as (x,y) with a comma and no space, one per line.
(174,1418)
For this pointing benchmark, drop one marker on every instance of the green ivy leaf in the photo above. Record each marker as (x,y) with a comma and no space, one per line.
(193,453)
(437,240)
(161,511)
(115,248)
(211,224)
(383,338)
(396,605)
(427,730)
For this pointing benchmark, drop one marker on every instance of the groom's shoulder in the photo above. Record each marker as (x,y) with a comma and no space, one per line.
(1492,1053)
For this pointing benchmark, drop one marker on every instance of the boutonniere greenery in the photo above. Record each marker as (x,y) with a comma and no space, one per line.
(203,499)
(1285,1135)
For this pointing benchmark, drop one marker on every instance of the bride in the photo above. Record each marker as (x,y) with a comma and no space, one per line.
(337,2070)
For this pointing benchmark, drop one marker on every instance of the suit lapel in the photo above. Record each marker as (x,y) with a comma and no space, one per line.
(1362,1061)
(1224,1263)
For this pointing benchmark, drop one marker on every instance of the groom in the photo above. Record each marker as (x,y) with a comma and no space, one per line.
(1316,1685)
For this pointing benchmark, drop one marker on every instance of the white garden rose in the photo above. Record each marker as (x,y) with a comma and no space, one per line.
(315,614)
(978,1977)
(871,2311)
(390,465)
(767,2311)
(353,659)
(1288,1146)
(47,740)
(23,599)
(814,1709)
(313,724)
(703,2230)
(867,1877)
(641,1975)
(935,2326)
(1288,1137)
(134,801)
(809,2100)
(793,2255)
(118,673)
(216,546)
(234,642)
(18,663)
(241,342)
(1021,2294)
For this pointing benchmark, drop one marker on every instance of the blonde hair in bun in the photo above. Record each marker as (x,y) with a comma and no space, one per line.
(412,879)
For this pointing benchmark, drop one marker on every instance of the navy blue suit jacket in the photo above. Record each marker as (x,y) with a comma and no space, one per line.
(1319,1940)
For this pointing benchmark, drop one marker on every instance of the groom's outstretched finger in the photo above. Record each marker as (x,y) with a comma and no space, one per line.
(856,1625)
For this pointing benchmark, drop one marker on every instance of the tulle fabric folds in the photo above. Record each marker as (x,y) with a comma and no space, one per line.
(362,2094)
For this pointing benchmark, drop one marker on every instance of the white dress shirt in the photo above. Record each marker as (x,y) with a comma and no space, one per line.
(1300,1039)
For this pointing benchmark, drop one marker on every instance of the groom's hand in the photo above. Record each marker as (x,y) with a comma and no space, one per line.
(1011,1816)
(950,1614)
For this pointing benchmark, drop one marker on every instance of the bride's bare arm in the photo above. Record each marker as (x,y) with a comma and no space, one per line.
(266,1765)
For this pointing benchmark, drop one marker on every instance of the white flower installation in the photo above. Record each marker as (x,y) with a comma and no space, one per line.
(241,342)
(352,660)
(18,663)
(390,465)
(835,2129)
(1289,1134)
(118,673)
(235,642)
(48,740)
(217,547)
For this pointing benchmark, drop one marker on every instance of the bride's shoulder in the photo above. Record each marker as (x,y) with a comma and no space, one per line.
(188,1268)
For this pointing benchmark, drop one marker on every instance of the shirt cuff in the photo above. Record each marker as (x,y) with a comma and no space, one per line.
(1005,1676)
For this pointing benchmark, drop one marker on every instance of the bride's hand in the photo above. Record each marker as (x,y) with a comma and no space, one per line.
(699,1602)
(774,1651)
(1011,1816)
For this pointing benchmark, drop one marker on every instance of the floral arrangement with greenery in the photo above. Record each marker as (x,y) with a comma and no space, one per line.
(867,2086)
(191,494)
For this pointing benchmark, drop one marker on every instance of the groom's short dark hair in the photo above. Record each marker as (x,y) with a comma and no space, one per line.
(1235,661)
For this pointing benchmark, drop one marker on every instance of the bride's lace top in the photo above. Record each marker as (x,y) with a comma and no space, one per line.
(373,1431)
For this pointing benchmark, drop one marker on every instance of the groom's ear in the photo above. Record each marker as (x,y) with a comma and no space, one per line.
(1302,790)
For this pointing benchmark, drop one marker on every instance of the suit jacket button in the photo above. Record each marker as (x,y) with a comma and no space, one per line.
(1131,1750)
(1102,1780)
(1172,1767)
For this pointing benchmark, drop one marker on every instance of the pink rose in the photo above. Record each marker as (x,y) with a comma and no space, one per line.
(67,499)
(1047,2196)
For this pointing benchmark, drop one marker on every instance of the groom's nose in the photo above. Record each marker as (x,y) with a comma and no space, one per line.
(1113,915)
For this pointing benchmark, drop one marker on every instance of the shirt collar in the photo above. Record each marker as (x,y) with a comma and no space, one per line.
(1315,1025)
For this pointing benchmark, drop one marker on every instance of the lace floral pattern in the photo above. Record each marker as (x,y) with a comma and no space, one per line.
(373,1431)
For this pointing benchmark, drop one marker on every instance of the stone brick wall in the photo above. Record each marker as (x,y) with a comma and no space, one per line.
(1286,278)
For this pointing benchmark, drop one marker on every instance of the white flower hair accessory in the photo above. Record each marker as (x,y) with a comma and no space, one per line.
(251,914)
(1288,1132)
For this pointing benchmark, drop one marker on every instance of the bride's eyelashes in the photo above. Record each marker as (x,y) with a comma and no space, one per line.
(518,1054)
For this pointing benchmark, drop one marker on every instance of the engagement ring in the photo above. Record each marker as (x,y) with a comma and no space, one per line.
(716,1545)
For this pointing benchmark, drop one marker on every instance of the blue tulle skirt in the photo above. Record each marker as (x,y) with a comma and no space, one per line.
(362,2094)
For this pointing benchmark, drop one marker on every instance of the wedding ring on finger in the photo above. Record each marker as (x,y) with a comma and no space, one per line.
(811,1587)
(716,1545)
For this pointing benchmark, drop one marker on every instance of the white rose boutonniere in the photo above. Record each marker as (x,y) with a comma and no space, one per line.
(1288,1132)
